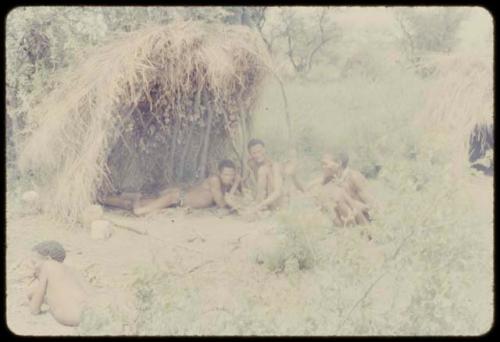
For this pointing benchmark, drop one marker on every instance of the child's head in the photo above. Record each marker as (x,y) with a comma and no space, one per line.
(50,249)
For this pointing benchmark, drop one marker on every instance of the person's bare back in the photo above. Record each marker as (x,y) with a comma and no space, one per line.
(208,193)
(56,285)
(205,194)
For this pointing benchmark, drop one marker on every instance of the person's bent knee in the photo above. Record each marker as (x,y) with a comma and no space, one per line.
(337,195)
(176,193)
(137,209)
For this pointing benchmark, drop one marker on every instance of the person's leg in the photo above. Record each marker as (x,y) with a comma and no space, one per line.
(359,210)
(134,196)
(344,211)
(353,209)
(118,201)
(345,214)
(361,219)
(168,199)
(341,215)
(169,191)
(336,217)
(325,198)
(367,216)
(335,212)
(336,221)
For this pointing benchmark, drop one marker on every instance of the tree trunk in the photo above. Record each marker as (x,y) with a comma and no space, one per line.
(287,113)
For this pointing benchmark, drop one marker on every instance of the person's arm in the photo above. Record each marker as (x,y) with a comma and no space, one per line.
(356,207)
(248,176)
(261,184)
(229,196)
(361,185)
(232,202)
(315,182)
(216,190)
(38,293)
(236,184)
(32,287)
(298,184)
(278,184)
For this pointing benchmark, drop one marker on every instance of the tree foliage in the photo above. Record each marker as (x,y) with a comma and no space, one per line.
(429,30)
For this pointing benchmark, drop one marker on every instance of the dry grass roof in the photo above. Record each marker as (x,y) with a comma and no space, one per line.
(460,99)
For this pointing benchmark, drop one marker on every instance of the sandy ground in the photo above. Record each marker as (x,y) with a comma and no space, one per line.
(212,256)
(196,248)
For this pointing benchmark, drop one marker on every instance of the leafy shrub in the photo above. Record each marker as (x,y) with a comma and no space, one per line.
(295,246)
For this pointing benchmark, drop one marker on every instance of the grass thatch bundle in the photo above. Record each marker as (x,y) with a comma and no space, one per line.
(460,106)
(154,107)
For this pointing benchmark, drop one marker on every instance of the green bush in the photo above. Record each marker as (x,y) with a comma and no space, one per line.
(295,243)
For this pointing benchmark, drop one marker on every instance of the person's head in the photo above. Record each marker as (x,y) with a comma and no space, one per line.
(46,250)
(333,163)
(257,150)
(50,250)
(342,158)
(227,171)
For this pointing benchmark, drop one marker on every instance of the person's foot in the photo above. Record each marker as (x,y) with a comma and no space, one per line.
(137,209)
(221,212)
(366,234)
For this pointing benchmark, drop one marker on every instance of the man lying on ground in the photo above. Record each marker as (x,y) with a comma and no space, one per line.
(268,176)
(212,191)
(341,191)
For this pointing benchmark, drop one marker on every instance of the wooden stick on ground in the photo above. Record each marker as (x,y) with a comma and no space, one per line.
(201,237)
(176,244)
(199,266)
(124,223)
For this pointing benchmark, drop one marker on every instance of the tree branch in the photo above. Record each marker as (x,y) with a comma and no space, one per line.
(322,42)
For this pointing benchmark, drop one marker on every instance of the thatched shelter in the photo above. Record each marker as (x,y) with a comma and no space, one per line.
(152,108)
(458,116)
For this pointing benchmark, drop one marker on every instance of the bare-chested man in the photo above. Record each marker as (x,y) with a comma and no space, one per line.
(349,179)
(341,191)
(268,176)
(212,191)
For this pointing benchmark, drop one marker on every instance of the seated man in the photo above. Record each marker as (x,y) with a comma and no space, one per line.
(340,191)
(55,284)
(342,209)
(268,175)
(210,192)
(352,181)
(68,295)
